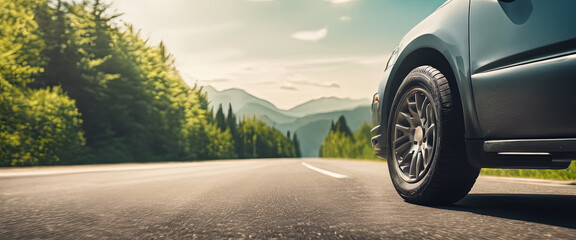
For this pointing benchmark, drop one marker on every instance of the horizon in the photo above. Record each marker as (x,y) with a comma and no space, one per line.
(285,52)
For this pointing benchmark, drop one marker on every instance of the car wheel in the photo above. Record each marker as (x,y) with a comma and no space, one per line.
(427,154)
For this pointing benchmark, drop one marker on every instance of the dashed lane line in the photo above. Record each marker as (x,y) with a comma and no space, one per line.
(325,172)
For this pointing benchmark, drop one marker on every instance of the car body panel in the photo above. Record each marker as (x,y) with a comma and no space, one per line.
(505,34)
(534,100)
(522,60)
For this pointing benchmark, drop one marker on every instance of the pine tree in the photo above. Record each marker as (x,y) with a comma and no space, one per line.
(342,127)
(220,119)
(232,124)
(297,146)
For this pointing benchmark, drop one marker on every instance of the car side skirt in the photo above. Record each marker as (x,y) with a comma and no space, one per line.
(522,153)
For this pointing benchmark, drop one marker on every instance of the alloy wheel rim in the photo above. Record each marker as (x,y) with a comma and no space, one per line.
(414,137)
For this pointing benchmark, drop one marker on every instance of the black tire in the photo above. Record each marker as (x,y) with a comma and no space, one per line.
(427,154)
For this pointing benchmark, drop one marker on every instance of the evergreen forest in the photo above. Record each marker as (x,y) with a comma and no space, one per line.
(78,86)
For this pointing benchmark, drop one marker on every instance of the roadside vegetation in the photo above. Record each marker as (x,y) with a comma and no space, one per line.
(563,174)
(341,142)
(79,86)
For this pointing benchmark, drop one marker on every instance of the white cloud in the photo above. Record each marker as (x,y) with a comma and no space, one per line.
(322,84)
(310,36)
(305,81)
(345,18)
(288,86)
(337,2)
(216,80)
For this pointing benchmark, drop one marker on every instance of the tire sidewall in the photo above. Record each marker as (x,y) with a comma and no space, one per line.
(415,79)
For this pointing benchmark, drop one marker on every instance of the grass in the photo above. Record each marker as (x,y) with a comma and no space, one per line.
(564,174)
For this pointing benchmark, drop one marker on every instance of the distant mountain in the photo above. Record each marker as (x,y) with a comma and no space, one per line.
(310,120)
(237,97)
(269,115)
(329,104)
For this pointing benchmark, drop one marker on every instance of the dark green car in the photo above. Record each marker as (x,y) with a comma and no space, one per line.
(478,84)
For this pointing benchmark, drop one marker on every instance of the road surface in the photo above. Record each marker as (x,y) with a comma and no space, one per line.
(263,199)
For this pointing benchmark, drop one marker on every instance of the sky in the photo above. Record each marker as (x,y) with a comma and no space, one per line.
(285,51)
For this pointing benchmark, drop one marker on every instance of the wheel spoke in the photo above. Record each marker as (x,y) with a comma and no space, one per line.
(429,130)
(406,159)
(414,165)
(418,164)
(424,110)
(424,154)
(407,118)
(426,151)
(403,148)
(412,106)
(403,129)
(429,115)
(403,139)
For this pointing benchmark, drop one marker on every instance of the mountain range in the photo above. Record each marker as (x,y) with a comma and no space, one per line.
(310,120)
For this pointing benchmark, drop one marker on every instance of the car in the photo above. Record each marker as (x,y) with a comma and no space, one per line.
(478,84)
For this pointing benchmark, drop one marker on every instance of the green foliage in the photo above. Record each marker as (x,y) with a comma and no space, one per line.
(42,128)
(258,140)
(221,119)
(232,125)
(564,174)
(297,145)
(342,143)
(37,126)
(363,146)
(20,43)
(342,127)
(77,88)
(134,103)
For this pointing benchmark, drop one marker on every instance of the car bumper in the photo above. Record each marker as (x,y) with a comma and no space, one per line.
(376,132)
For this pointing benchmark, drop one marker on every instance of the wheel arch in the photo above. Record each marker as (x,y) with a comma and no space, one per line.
(419,57)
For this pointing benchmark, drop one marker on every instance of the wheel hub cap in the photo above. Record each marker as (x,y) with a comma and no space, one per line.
(418,135)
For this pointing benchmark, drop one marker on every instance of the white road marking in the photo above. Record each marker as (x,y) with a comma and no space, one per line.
(325,172)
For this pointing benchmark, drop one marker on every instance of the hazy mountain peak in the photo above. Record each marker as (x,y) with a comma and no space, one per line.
(241,99)
(328,104)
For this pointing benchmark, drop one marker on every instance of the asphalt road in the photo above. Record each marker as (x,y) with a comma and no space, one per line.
(262,199)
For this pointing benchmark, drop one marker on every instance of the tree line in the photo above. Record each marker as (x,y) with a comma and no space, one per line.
(253,138)
(341,142)
(79,87)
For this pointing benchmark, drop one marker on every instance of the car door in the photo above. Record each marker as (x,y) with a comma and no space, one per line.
(523,67)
